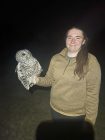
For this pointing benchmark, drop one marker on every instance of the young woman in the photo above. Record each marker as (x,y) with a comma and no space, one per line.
(74,75)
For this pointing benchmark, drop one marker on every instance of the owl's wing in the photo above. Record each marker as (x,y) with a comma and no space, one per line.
(25,82)
(23,74)
(37,67)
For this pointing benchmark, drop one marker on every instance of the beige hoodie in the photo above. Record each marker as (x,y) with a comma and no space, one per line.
(69,95)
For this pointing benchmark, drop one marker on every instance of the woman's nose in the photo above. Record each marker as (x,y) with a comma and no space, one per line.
(73,40)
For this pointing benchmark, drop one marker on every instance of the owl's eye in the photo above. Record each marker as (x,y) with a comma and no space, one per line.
(23,54)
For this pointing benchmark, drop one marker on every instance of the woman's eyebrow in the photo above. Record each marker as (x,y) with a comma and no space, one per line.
(78,36)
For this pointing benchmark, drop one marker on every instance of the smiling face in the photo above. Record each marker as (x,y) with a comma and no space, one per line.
(74,40)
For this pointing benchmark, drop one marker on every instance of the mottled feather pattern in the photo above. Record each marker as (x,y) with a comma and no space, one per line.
(27,67)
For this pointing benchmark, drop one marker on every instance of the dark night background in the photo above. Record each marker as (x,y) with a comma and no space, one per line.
(41,27)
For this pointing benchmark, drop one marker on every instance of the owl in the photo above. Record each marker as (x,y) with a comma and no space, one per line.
(27,67)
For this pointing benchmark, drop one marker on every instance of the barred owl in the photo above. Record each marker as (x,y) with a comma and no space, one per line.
(27,67)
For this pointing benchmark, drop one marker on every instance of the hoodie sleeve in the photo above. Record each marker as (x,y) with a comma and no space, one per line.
(47,80)
(93,89)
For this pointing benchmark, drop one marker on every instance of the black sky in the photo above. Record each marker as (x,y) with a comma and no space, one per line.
(43,25)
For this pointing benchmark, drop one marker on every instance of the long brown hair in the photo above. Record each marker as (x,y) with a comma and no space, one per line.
(82,57)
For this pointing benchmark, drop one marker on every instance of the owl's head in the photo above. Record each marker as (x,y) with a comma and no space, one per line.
(23,55)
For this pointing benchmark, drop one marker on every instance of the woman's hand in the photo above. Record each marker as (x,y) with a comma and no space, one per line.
(33,80)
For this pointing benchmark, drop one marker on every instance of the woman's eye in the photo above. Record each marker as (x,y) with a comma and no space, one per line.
(78,38)
(69,38)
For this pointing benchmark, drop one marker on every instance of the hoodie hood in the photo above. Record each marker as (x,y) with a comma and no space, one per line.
(64,52)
